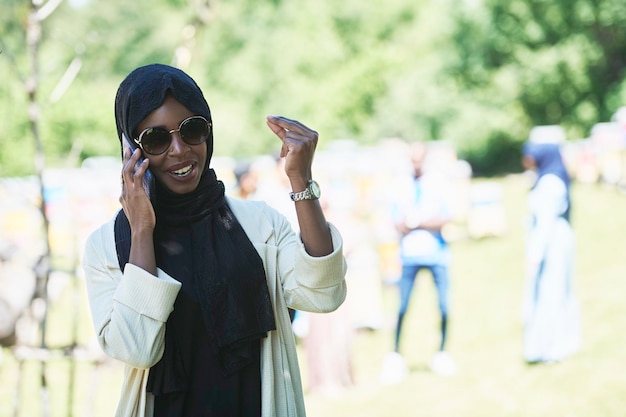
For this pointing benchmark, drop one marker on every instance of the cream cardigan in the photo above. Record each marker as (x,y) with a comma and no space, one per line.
(129,310)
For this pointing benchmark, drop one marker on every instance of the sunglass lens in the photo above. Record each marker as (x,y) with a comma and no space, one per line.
(155,140)
(194,131)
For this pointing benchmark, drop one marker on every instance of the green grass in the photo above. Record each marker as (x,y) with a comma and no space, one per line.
(485,337)
(486,334)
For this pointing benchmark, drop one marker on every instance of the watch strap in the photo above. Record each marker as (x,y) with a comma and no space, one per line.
(306,194)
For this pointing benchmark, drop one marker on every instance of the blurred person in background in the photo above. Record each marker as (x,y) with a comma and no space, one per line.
(246,179)
(191,288)
(421,212)
(273,187)
(328,338)
(550,307)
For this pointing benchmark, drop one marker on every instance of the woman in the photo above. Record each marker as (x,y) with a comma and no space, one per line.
(550,308)
(191,289)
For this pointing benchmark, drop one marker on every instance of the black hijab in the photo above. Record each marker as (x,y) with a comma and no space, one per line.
(226,271)
(145,89)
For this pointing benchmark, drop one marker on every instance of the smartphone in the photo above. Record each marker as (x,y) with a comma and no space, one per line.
(148,178)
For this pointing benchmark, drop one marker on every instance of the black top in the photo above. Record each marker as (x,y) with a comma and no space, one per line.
(209,390)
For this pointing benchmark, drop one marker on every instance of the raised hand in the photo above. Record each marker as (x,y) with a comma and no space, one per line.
(298,148)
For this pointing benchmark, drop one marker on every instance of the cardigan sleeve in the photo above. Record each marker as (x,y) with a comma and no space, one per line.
(314,284)
(307,283)
(128,310)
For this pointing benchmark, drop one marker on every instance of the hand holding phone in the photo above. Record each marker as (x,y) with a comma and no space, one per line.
(138,206)
(147,180)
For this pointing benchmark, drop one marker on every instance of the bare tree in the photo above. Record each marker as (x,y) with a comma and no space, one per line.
(39,11)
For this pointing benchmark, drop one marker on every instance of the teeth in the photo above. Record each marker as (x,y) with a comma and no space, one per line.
(183,171)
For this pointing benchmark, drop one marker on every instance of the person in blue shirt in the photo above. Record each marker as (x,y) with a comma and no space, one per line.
(420,214)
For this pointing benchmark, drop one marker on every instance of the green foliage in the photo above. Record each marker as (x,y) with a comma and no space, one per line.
(568,57)
(498,147)
(17,149)
(474,73)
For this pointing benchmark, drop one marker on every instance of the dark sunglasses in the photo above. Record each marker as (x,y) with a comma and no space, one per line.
(193,130)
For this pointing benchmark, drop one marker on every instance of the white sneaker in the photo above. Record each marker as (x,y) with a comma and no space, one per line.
(442,364)
(394,369)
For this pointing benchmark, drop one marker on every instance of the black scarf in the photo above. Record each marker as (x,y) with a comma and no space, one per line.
(227,272)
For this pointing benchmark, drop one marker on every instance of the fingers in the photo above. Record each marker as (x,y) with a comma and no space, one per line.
(133,197)
(278,131)
(131,158)
(280,124)
(133,170)
(292,133)
(127,171)
(298,145)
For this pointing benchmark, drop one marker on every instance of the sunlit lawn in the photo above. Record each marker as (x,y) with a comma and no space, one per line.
(485,338)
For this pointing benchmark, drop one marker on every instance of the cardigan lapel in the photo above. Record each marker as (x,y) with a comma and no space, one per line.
(258,228)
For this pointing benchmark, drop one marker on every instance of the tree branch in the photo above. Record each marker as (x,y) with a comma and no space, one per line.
(47,9)
(66,80)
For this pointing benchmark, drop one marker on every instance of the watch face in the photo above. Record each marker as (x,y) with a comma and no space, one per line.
(315,189)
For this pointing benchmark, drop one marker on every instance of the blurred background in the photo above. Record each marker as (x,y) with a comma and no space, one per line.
(469,77)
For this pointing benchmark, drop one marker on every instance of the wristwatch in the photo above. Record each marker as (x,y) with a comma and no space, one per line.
(311,192)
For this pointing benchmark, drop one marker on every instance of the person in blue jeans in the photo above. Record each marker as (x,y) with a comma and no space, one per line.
(421,212)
